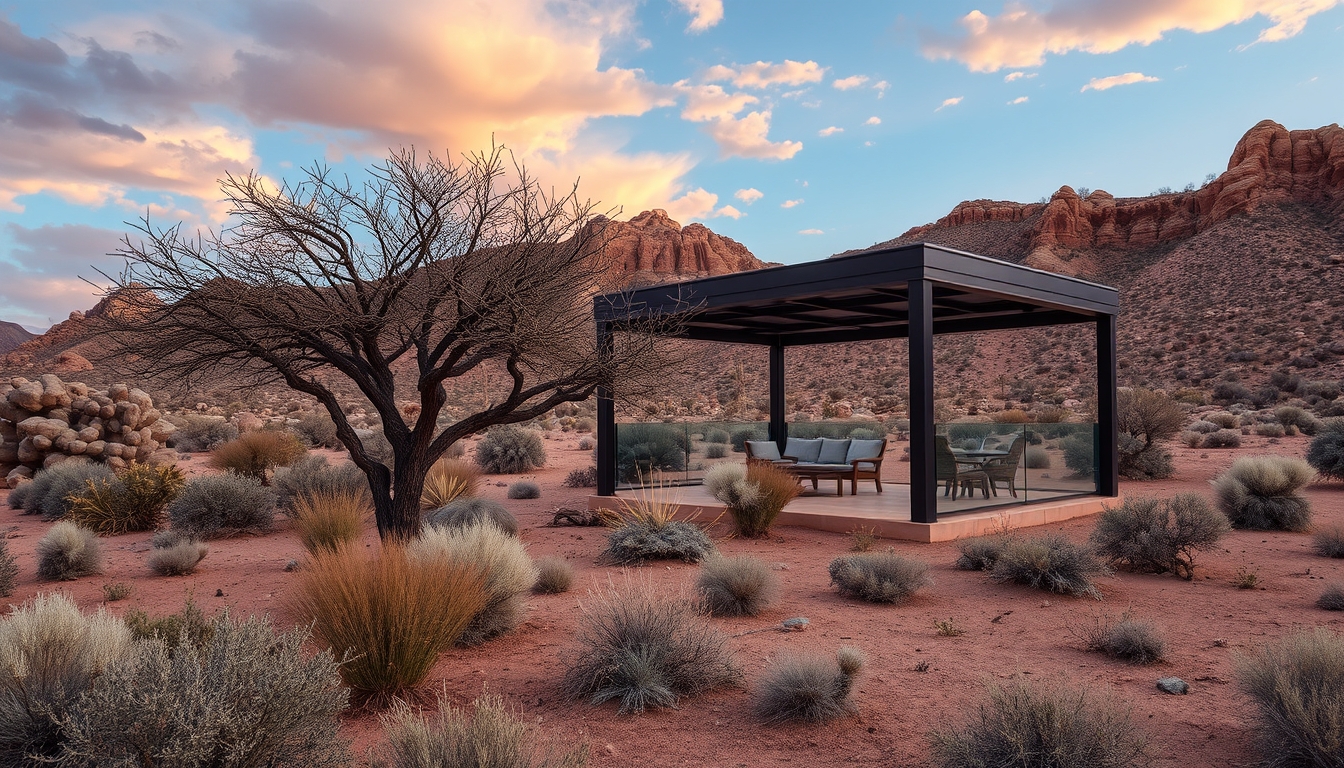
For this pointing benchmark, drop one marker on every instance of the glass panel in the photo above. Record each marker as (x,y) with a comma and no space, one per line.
(985,464)
(678,453)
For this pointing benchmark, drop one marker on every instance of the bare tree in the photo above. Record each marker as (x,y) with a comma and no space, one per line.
(426,272)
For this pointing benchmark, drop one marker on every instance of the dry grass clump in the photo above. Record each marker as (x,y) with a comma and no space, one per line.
(879,577)
(644,529)
(317,430)
(189,626)
(814,688)
(212,506)
(1332,599)
(255,454)
(1223,438)
(502,560)
(463,512)
(510,450)
(1297,684)
(1137,642)
(554,575)
(1329,542)
(178,560)
(68,552)
(1326,452)
(313,475)
(755,495)
(117,590)
(1261,493)
(493,736)
(583,477)
(9,570)
(1042,727)
(736,586)
(197,433)
(48,493)
(523,489)
(329,519)
(447,481)
(980,553)
(1159,535)
(647,647)
(135,500)
(389,615)
(1052,563)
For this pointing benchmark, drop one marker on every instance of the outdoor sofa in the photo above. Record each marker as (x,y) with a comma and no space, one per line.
(825,458)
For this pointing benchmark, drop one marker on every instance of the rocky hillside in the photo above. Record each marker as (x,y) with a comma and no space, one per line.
(652,248)
(12,335)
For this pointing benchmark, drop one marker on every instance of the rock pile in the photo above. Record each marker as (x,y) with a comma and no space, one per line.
(46,421)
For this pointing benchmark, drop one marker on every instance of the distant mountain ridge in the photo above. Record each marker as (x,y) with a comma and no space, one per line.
(12,335)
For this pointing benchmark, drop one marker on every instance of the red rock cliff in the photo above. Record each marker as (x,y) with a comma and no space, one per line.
(652,247)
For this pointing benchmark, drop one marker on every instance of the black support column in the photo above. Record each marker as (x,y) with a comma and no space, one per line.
(606,417)
(1108,428)
(923,476)
(779,428)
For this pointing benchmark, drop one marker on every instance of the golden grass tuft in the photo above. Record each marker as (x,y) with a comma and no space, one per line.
(327,519)
(776,489)
(447,480)
(255,453)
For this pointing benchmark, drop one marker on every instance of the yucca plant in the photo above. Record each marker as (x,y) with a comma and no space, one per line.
(448,480)
(135,500)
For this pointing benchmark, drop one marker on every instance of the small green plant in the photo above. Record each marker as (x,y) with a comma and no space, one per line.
(316,430)
(583,477)
(314,475)
(554,575)
(212,506)
(1127,638)
(923,665)
(979,553)
(736,586)
(256,454)
(1247,577)
(523,489)
(879,577)
(813,687)
(1261,493)
(492,737)
(948,628)
(196,433)
(510,450)
(1295,683)
(863,539)
(1223,438)
(1326,453)
(715,451)
(68,552)
(135,500)
(1049,562)
(116,590)
(1332,599)
(645,529)
(1159,535)
(189,625)
(1037,458)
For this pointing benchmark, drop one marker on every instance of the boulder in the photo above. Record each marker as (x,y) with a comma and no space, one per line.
(18,475)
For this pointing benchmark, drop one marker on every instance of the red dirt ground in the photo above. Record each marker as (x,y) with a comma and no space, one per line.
(1009,631)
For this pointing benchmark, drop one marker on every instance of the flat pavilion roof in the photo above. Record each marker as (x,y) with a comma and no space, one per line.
(863,296)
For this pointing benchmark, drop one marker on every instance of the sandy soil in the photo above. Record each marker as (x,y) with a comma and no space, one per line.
(1009,631)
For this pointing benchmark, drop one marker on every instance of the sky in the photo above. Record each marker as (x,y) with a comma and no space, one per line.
(800,129)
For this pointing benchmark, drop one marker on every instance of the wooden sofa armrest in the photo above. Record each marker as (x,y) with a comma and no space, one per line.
(876,462)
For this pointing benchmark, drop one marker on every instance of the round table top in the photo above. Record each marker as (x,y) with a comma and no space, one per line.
(980,454)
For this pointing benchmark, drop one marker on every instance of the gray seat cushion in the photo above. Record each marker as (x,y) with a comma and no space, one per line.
(827,467)
(864,449)
(803,450)
(833,451)
(764,449)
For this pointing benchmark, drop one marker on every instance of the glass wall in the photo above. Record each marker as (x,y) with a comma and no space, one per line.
(981,464)
(678,453)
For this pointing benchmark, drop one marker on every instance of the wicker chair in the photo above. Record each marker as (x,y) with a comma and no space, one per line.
(1004,469)
(950,470)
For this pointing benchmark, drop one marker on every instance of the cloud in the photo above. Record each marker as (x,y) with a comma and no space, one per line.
(704,13)
(1011,76)
(729,212)
(1021,36)
(764,74)
(874,120)
(747,137)
(749,195)
(699,204)
(38,276)
(846,83)
(792,203)
(1106,83)
(710,102)
(881,87)
(811,232)
(830,131)
(952,102)
(1019,100)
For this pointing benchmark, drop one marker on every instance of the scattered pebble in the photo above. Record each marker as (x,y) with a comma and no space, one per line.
(291,566)
(219,593)
(1173,685)
(796,624)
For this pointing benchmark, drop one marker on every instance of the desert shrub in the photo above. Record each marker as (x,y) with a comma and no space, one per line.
(736,586)
(1223,420)
(554,575)
(879,577)
(1159,535)
(1037,458)
(316,430)
(249,696)
(1293,416)
(1143,463)
(1329,542)
(523,489)
(196,433)
(255,454)
(646,647)
(179,559)
(584,477)
(1325,454)
(464,512)
(1046,726)
(1137,642)
(645,530)
(813,687)
(1191,439)
(1261,493)
(502,561)
(1203,427)
(510,450)
(717,436)
(117,590)
(642,449)
(979,553)
(714,451)
(19,494)
(755,495)
(448,480)
(492,737)
(587,444)
(9,570)
(388,616)
(50,652)
(135,500)
(50,489)
(326,520)
(312,475)
(585,424)
(1223,438)
(1150,418)
(1270,430)
(68,552)
(211,506)
(865,433)
(1297,684)
(741,436)
(1332,599)
(1078,451)
(1050,562)
(189,626)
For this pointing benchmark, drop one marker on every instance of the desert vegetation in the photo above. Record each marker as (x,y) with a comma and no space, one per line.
(879,577)
(1159,535)
(1262,493)
(755,494)
(811,687)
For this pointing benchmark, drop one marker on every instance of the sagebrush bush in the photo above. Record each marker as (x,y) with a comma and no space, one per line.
(1045,726)
(50,653)
(554,575)
(645,530)
(19,494)
(196,433)
(1223,420)
(1159,535)
(316,430)
(879,577)
(584,477)
(327,520)
(1223,438)
(510,450)
(500,558)
(493,736)
(754,495)
(9,570)
(49,491)
(1202,427)
(1146,420)
(178,560)
(255,454)
(1261,493)
(1037,458)
(1050,562)
(211,506)
(1191,439)
(1270,430)
(68,552)
(736,586)
(1332,599)
(810,687)
(1127,638)
(463,512)
(1293,416)
(388,615)
(1325,454)
(523,489)
(646,646)
(587,444)
(715,451)
(717,436)
(642,449)
(1078,454)
(314,475)
(979,553)
(1329,542)
(447,481)
(134,500)
(247,697)
(189,626)
(1297,684)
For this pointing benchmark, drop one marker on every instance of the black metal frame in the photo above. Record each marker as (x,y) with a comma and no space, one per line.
(913,291)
